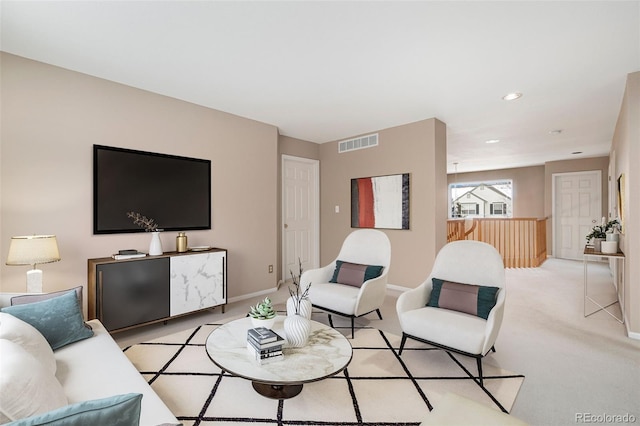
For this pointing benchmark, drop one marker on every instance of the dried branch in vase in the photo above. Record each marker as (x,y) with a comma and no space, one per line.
(296,294)
(148,224)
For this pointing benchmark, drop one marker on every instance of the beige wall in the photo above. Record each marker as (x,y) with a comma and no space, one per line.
(626,151)
(528,187)
(417,148)
(51,117)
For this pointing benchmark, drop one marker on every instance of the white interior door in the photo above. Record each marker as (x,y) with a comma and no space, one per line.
(577,207)
(300,214)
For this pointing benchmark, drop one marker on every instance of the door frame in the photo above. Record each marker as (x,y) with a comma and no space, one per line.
(554,178)
(316,224)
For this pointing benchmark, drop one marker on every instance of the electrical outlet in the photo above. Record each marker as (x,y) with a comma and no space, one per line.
(271,269)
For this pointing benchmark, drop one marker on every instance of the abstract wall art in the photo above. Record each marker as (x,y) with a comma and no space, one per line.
(380,202)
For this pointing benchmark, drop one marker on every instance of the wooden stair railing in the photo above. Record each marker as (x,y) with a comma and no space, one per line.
(522,242)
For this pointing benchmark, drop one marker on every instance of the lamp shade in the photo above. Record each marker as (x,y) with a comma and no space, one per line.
(33,250)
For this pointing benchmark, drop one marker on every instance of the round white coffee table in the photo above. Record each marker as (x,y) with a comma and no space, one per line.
(327,353)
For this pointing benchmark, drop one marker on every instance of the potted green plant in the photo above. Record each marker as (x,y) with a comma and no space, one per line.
(599,232)
(263,314)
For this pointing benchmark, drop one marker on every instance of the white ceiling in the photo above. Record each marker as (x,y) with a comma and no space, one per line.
(330,70)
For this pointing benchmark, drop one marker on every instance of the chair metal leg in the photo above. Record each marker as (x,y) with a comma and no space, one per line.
(404,340)
(377,310)
(330,320)
(352,327)
(479,362)
(493,348)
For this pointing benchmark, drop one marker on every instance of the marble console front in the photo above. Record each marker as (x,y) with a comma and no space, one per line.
(327,353)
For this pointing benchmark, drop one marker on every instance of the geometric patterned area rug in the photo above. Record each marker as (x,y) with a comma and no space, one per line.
(377,388)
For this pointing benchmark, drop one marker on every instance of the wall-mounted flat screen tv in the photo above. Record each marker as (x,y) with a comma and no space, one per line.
(173,191)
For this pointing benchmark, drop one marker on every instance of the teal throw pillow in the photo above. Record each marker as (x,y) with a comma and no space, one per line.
(354,274)
(119,410)
(468,298)
(58,319)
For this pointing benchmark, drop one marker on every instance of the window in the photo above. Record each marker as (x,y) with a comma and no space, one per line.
(481,199)
(469,209)
(498,209)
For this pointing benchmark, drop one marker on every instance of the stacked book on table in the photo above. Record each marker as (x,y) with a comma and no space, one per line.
(264,344)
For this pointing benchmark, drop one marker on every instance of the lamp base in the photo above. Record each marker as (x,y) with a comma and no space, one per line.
(34,281)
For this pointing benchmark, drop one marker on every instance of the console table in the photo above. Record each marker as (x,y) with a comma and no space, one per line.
(590,253)
(129,293)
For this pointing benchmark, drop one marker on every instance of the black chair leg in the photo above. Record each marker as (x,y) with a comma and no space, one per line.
(352,327)
(330,321)
(404,340)
(479,362)
(379,314)
(493,348)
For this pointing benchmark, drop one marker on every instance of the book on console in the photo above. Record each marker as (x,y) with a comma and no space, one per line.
(128,256)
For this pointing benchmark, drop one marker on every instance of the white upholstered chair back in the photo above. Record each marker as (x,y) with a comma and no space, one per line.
(367,247)
(469,262)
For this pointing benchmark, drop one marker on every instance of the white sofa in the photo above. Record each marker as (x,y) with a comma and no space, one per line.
(96,368)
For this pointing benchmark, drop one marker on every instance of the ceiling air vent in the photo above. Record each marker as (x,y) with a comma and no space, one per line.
(358,143)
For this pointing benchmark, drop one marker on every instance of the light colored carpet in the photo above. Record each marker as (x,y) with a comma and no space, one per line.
(377,388)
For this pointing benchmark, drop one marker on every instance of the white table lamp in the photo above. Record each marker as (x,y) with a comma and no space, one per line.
(33,250)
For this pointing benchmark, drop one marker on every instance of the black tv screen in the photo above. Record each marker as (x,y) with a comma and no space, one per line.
(174,191)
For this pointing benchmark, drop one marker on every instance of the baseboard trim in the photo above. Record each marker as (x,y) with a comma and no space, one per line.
(251,295)
(631,334)
(398,288)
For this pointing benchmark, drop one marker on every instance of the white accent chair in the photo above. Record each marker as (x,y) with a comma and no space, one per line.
(465,262)
(365,247)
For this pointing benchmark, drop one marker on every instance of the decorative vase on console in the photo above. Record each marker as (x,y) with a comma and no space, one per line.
(297,325)
(155,247)
(601,233)
(149,225)
(597,244)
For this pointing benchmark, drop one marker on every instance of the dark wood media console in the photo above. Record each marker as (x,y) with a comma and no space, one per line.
(129,293)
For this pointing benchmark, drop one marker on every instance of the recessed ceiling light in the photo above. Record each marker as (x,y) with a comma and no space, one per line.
(576,152)
(492,141)
(512,96)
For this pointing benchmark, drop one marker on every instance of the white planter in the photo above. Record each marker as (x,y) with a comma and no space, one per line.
(155,247)
(296,330)
(305,307)
(609,247)
(266,323)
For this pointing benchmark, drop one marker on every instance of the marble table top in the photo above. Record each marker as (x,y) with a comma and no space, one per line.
(327,353)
